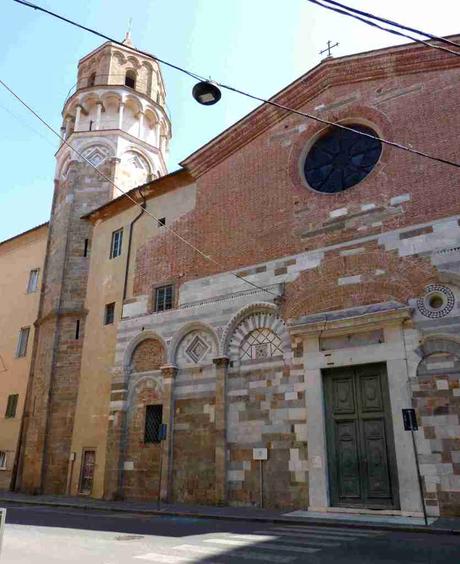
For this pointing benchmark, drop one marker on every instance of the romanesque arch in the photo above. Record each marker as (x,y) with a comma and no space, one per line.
(256,332)
(440,355)
(146,349)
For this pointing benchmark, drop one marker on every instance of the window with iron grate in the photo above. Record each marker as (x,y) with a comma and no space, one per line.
(153,420)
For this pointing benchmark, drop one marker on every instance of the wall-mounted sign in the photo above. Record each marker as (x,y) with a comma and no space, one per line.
(259,453)
(410,420)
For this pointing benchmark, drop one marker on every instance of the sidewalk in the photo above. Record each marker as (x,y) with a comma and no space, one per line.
(444,525)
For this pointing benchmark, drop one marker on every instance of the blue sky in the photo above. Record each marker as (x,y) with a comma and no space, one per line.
(257,45)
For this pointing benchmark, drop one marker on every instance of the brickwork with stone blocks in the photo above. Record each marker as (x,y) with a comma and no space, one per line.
(266,408)
(436,398)
(194,475)
(141,467)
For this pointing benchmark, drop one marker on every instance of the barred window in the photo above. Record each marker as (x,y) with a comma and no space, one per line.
(11,405)
(115,247)
(153,420)
(163,298)
(21,349)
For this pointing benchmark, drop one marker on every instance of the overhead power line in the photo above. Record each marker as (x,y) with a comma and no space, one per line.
(444,40)
(243,93)
(127,195)
(351,12)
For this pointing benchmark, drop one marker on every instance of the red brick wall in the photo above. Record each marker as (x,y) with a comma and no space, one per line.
(253,206)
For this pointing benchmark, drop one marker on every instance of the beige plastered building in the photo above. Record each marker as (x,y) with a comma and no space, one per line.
(21,268)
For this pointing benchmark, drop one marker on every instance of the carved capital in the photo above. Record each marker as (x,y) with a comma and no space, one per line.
(221,361)
(169,370)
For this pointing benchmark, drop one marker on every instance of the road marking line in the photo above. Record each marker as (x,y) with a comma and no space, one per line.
(242,554)
(253,537)
(264,546)
(164,558)
(323,534)
(338,538)
(323,543)
(351,532)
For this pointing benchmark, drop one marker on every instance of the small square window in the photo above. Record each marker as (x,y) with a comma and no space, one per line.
(153,420)
(32,286)
(2,459)
(161,221)
(115,247)
(109,315)
(11,405)
(163,298)
(21,349)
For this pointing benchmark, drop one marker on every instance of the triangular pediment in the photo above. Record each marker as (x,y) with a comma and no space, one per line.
(390,62)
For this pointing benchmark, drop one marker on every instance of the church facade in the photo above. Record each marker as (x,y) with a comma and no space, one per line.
(329,304)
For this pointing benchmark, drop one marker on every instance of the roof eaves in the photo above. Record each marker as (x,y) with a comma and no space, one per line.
(27,232)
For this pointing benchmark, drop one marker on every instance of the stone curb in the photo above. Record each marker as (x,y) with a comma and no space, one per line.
(251,518)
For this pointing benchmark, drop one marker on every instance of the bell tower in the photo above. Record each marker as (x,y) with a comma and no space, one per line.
(118,110)
(116,120)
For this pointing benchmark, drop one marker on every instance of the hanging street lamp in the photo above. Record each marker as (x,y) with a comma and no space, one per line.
(206,93)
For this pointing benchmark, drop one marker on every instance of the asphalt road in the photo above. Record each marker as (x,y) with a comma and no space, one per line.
(39,535)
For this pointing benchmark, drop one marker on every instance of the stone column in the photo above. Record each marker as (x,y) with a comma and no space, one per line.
(169,373)
(98,115)
(120,115)
(77,118)
(221,367)
(163,143)
(316,436)
(141,124)
(67,127)
(409,493)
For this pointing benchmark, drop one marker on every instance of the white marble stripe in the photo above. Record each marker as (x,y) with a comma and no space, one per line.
(332,531)
(242,554)
(264,546)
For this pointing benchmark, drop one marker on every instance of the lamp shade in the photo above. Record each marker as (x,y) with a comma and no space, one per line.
(206,93)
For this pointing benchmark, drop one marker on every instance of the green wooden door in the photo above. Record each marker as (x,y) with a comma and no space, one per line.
(361,459)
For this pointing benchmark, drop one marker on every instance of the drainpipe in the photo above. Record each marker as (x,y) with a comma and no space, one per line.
(128,256)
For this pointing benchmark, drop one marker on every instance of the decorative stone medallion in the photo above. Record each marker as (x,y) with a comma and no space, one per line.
(197,349)
(437,302)
(95,154)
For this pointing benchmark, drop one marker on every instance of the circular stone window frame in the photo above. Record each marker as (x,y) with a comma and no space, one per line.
(351,114)
(349,122)
(439,291)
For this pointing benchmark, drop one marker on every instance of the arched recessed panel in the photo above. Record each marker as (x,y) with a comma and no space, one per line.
(147,356)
